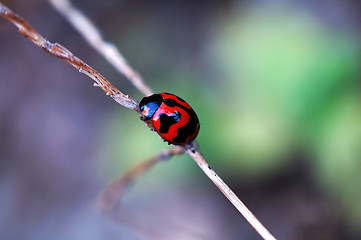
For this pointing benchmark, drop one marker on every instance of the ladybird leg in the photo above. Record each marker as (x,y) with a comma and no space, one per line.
(149,123)
(169,143)
(144,118)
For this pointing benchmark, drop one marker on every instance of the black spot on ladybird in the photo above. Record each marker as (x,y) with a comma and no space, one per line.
(170,102)
(167,121)
(187,130)
(180,99)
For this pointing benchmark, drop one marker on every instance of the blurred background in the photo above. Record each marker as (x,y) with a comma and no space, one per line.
(276,85)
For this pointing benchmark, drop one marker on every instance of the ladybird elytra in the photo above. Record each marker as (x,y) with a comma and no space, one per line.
(173,118)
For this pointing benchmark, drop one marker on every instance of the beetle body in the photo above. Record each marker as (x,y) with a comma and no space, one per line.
(172,118)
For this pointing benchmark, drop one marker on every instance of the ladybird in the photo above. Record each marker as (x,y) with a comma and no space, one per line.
(172,117)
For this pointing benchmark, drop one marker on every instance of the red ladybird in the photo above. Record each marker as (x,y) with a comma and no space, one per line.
(172,117)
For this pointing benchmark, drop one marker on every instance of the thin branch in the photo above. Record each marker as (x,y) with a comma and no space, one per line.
(113,193)
(108,50)
(194,152)
(126,101)
(61,52)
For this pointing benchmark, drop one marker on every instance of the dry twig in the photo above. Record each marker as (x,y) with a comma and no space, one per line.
(194,152)
(111,195)
(192,149)
(61,52)
(108,50)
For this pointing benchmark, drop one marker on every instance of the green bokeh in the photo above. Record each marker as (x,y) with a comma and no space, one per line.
(293,84)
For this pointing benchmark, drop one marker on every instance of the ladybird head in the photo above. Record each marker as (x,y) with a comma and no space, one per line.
(149,105)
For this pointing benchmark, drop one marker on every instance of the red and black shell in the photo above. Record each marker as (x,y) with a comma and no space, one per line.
(172,117)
